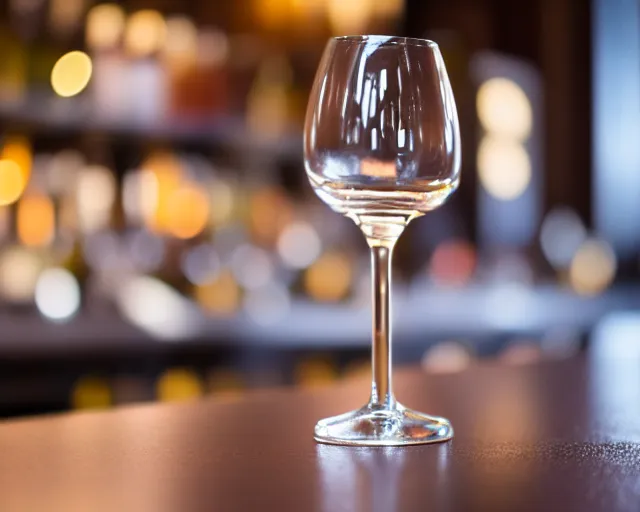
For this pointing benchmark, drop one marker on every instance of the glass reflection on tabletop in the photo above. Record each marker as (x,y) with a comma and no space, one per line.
(376,479)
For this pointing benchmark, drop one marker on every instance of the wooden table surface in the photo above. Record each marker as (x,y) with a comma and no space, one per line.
(554,436)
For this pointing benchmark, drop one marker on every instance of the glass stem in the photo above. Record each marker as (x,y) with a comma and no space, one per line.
(381,392)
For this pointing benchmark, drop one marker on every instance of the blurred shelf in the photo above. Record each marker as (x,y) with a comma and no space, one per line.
(51,116)
(422,315)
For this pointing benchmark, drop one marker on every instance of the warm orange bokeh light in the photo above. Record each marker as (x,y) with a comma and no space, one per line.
(12,182)
(220,297)
(35,220)
(269,212)
(168,174)
(18,149)
(179,384)
(329,278)
(188,211)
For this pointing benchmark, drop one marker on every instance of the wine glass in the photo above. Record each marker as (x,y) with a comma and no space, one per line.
(382,146)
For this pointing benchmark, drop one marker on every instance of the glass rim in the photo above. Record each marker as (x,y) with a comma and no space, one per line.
(380,39)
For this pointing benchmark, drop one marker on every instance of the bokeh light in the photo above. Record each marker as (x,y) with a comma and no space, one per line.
(447,357)
(35,220)
(315,371)
(140,196)
(521,352)
(561,235)
(19,271)
(178,385)
(188,211)
(453,263)
(388,9)
(145,33)
(91,393)
(213,47)
(269,212)
(63,170)
(504,167)
(157,308)
(352,17)
(222,203)
(200,264)
(220,297)
(299,245)
(181,42)
(18,149)
(504,109)
(57,294)
(329,278)
(64,15)
(12,182)
(154,190)
(593,268)
(95,195)
(252,267)
(105,25)
(71,74)
(146,250)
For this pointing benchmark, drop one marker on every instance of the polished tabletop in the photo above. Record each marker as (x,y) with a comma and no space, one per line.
(546,436)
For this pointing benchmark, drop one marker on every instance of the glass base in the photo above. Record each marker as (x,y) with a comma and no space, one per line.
(376,425)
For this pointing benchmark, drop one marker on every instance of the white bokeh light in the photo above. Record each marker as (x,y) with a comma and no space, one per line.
(57,294)
(251,266)
(299,245)
(561,235)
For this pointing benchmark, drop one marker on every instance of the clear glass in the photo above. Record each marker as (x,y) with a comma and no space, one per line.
(382,146)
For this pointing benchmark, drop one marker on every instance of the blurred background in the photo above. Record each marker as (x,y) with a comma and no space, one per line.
(159,239)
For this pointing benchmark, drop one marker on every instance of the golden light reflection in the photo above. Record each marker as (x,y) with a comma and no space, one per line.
(317,371)
(504,167)
(220,297)
(71,74)
(188,211)
(105,25)
(178,385)
(145,33)
(593,268)
(35,220)
(329,278)
(12,182)
(91,393)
